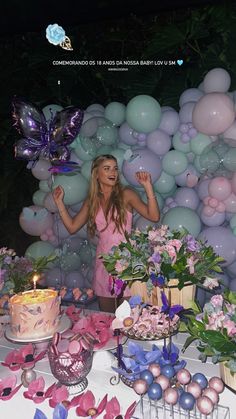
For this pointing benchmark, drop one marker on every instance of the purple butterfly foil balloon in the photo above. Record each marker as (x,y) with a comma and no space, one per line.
(49,142)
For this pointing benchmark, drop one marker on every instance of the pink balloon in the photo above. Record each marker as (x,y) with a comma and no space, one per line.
(35,220)
(233,182)
(230,203)
(208,211)
(220,188)
(213,113)
(212,202)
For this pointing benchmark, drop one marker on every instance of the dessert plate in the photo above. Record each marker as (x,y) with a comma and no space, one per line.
(64,324)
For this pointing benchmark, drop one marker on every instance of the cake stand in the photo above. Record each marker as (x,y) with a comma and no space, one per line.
(40,343)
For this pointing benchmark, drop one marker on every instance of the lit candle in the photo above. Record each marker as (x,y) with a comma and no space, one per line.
(35,279)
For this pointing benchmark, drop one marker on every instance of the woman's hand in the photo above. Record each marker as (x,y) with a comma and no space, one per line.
(58,194)
(144,178)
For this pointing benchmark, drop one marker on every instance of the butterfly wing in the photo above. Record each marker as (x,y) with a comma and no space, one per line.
(66,125)
(29,120)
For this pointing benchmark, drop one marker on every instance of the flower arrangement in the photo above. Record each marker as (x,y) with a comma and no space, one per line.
(215,329)
(16,272)
(157,255)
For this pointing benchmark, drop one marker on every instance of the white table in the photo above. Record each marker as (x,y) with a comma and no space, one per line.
(99,383)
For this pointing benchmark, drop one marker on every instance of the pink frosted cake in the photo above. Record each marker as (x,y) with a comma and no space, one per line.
(34,314)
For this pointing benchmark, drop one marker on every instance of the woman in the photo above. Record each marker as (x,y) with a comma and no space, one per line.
(108,211)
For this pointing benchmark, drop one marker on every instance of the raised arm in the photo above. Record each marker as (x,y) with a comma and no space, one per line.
(75,223)
(151,209)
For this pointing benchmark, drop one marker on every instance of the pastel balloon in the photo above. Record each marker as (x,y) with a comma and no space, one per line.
(38,197)
(214,219)
(118,153)
(208,162)
(142,223)
(186,112)
(182,178)
(55,277)
(165,183)
(220,188)
(59,229)
(163,381)
(216,80)
(73,243)
(179,217)
(115,112)
(232,285)
(140,386)
(207,211)
(231,132)
(35,220)
(141,160)
(174,162)
(230,203)
(199,142)
(70,261)
(85,252)
(183,376)
(104,149)
(205,405)
(179,145)
(190,95)
(95,107)
(229,160)
(155,369)
(143,113)
(74,279)
(49,203)
(89,126)
(159,142)
(171,396)
(202,188)
(44,185)
(107,134)
(86,169)
(213,113)
(75,188)
(222,240)
(40,169)
(85,148)
(212,394)
(125,134)
(38,249)
(169,121)
(187,197)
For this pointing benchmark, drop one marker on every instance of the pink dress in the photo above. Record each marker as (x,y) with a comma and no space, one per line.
(106,240)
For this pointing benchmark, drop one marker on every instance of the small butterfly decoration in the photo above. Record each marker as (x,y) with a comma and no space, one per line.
(50,140)
(168,309)
(64,167)
(56,35)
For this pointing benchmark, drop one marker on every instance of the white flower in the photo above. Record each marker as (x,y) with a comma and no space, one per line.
(211,282)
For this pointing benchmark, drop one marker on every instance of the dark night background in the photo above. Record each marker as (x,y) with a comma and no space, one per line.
(202,33)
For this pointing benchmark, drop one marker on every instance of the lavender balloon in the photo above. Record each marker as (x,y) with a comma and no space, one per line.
(141,160)
(222,240)
(50,142)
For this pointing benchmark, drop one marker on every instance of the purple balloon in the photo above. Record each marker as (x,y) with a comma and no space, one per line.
(232,285)
(50,142)
(159,142)
(126,134)
(222,240)
(74,279)
(202,188)
(187,197)
(215,219)
(231,270)
(141,160)
(181,180)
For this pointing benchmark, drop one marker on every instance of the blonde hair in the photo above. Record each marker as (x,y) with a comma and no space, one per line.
(115,204)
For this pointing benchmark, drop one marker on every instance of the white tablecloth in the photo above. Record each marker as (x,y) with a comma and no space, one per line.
(99,383)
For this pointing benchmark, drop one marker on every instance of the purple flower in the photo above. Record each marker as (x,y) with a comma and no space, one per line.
(119,286)
(157,280)
(156,258)
(192,244)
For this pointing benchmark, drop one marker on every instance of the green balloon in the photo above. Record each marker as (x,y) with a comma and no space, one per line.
(229,160)
(118,153)
(198,143)
(104,149)
(75,188)
(107,134)
(170,193)
(207,162)
(115,112)
(86,148)
(70,262)
(179,217)
(143,113)
(179,145)
(165,183)
(159,198)
(86,169)
(43,185)
(39,249)
(174,162)
(38,197)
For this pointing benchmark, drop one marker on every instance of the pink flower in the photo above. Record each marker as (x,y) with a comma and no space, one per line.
(36,391)
(59,395)
(113,410)
(8,387)
(217,300)
(215,321)
(87,405)
(171,252)
(229,325)
(73,313)
(211,283)
(191,261)
(120,267)
(176,243)
(22,358)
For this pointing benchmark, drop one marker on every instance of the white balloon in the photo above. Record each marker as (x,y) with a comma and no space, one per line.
(216,80)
